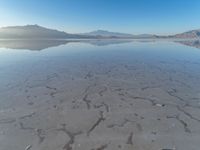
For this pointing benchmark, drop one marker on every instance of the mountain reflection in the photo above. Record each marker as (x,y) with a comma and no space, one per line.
(37,45)
(107,42)
(191,43)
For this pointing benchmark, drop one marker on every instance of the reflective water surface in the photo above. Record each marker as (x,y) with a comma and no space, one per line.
(99,95)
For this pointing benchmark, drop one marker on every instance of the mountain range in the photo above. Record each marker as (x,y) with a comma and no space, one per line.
(189,34)
(38,32)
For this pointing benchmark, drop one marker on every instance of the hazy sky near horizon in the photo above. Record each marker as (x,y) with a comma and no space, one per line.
(130,16)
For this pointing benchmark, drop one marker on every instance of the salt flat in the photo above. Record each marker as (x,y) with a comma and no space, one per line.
(78,96)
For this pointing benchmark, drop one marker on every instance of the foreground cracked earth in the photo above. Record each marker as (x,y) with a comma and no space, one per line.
(100,105)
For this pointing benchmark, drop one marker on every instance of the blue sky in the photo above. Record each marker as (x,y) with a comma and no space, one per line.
(129,16)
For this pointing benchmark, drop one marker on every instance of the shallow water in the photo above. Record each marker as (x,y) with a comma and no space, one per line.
(110,95)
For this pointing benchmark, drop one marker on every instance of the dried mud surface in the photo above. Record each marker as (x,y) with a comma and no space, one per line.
(100,103)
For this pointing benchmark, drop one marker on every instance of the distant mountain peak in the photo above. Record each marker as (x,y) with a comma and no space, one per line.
(25,27)
(100,31)
(189,34)
(33,25)
(30,32)
(106,33)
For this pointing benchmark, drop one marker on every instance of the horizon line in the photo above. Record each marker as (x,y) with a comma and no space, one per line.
(84,32)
